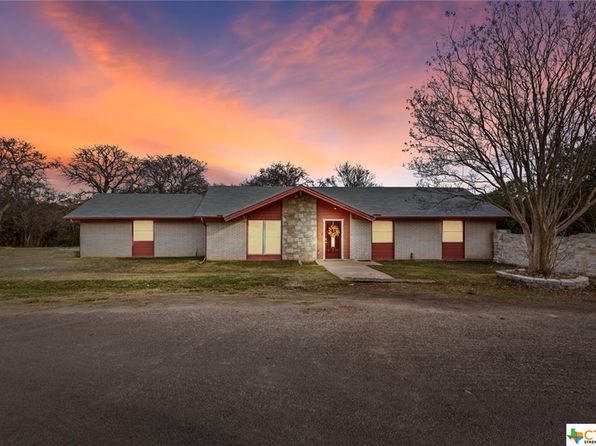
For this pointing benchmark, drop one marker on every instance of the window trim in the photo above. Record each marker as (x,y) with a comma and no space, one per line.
(392,231)
(263,238)
(134,230)
(452,232)
(276,243)
(248,236)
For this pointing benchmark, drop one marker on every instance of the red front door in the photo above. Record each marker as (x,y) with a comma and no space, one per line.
(333,237)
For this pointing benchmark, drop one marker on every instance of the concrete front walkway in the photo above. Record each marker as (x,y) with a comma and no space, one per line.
(355,271)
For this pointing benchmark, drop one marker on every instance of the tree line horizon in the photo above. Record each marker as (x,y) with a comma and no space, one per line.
(31,209)
(108,168)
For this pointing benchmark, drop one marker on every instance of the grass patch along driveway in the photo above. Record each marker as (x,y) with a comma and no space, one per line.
(42,275)
(57,275)
(470,273)
(471,278)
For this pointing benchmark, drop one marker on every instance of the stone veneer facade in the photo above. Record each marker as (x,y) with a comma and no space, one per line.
(299,228)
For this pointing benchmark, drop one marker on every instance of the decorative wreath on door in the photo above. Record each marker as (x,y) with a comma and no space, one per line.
(333,231)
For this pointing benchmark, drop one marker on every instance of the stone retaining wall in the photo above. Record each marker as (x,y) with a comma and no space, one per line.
(577,253)
(574,284)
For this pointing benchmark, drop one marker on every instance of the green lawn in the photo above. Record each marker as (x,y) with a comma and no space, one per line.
(44,275)
(41,273)
(468,273)
(464,278)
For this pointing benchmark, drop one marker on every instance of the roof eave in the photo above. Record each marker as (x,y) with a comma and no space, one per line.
(461,217)
(130,217)
(292,191)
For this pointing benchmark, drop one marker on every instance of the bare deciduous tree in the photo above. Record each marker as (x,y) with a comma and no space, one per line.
(22,172)
(103,169)
(278,174)
(587,222)
(350,175)
(173,174)
(31,210)
(511,106)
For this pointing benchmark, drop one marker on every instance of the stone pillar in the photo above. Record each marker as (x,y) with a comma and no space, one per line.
(299,228)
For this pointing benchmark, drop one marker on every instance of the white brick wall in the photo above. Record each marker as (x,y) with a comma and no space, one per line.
(360,239)
(226,240)
(106,239)
(420,238)
(179,239)
(479,239)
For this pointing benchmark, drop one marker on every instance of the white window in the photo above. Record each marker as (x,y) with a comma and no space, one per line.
(382,231)
(142,230)
(264,237)
(255,237)
(272,237)
(453,231)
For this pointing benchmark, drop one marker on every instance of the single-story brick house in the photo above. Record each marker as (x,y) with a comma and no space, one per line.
(294,223)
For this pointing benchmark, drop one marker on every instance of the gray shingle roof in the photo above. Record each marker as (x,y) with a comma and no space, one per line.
(413,201)
(138,206)
(225,200)
(375,201)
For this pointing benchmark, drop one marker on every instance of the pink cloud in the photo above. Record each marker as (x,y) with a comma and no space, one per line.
(328,85)
(366,11)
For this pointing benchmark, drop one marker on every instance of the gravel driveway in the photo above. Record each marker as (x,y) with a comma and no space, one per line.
(257,371)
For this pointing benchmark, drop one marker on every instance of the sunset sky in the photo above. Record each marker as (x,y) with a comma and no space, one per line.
(238,85)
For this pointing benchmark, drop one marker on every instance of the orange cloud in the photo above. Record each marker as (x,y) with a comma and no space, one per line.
(327,86)
(147,114)
(135,110)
